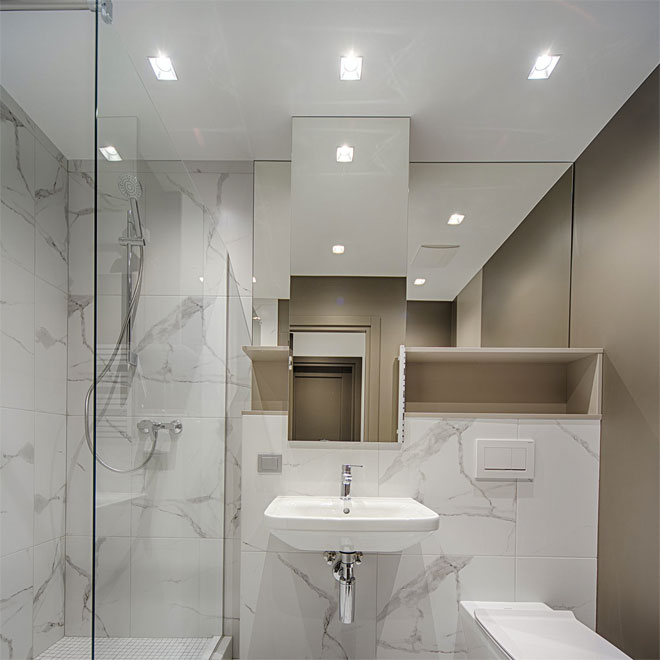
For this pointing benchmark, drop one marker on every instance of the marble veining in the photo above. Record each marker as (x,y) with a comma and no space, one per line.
(492,543)
(330,611)
(414,455)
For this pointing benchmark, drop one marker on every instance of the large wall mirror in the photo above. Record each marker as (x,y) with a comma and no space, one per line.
(357,252)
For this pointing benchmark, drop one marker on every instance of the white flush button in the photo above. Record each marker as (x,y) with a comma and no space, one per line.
(519,459)
(497,458)
(504,459)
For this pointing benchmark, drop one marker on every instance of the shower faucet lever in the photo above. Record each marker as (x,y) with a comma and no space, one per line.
(131,241)
(149,426)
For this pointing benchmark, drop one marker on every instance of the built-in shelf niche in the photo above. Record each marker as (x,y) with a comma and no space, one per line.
(525,382)
(270,377)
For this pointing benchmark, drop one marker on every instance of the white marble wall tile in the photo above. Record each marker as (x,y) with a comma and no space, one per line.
(16,480)
(17,154)
(179,493)
(17,340)
(180,346)
(564,583)
(261,434)
(558,510)
(113,602)
(166,598)
(233,459)
(435,465)
(48,598)
(174,219)
(112,208)
(49,476)
(51,218)
(232,596)
(289,608)
(113,586)
(210,608)
(80,339)
(78,586)
(50,348)
(16,575)
(418,601)
(216,257)
(80,214)
(113,491)
(228,196)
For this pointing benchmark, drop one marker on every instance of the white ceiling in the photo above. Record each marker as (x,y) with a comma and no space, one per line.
(457,68)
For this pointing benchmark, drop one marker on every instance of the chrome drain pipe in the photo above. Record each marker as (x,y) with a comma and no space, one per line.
(342,569)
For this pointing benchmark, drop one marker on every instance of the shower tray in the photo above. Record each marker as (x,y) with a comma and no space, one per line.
(132,648)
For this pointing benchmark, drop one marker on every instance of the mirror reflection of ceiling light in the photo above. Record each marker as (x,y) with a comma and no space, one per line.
(350,67)
(420,281)
(344,154)
(163,67)
(455,219)
(337,249)
(110,153)
(543,67)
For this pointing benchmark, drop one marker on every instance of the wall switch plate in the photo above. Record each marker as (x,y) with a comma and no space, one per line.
(269,463)
(504,459)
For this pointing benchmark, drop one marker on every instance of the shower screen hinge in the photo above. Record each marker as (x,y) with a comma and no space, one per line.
(105,6)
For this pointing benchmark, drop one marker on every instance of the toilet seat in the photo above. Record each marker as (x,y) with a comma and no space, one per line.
(544,635)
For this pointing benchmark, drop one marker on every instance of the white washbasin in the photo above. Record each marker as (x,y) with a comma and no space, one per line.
(373,524)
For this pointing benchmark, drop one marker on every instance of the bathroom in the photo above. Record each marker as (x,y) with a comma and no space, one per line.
(329,329)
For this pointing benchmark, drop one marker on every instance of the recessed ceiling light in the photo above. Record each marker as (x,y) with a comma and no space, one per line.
(337,249)
(350,67)
(254,280)
(163,67)
(110,153)
(420,281)
(455,219)
(201,278)
(344,154)
(543,67)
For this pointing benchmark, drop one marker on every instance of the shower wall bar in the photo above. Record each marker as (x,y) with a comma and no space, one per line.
(59,5)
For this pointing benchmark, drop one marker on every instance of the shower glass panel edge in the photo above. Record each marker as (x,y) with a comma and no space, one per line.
(158,424)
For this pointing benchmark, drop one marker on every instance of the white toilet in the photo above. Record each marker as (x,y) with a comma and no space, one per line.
(529,631)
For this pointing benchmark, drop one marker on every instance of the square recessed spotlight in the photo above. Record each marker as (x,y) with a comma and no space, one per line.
(344,154)
(110,153)
(455,219)
(420,281)
(543,67)
(350,67)
(337,249)
(163,67)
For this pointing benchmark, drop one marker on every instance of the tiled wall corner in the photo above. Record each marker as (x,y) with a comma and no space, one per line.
(33,289)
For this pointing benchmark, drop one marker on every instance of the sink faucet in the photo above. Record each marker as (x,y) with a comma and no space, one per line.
(346,478)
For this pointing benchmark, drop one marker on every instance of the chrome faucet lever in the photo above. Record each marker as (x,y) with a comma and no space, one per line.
(346,479)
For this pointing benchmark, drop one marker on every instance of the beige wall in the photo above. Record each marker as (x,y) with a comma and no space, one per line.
(526,283)
(615,305)
(468,313)
(381,297)
(428,323)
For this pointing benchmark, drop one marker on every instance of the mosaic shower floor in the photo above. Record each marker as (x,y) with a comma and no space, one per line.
(127,648)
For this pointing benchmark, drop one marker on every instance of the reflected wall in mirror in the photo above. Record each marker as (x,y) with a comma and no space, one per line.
(433,254)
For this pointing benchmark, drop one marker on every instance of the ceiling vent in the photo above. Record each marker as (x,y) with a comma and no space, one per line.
(434,256)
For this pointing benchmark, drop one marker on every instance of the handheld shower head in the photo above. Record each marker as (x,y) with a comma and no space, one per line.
(129,186)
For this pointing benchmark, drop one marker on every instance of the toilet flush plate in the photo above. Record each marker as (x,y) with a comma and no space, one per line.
(504,459)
